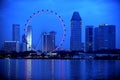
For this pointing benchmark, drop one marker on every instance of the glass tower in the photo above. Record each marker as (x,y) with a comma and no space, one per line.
(29,38)
(75,39)
(16,32)
(48,41)
(89,39)
(96,38)
(107,37)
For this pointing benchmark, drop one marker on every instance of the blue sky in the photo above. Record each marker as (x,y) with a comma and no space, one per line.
(92,12)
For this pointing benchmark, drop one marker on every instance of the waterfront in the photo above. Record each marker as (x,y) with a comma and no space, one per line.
(51,69)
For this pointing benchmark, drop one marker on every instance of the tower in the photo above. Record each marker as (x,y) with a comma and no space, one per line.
(52,40)
(16,32)
(15,37)
(75,39)
(29,38)
(24,43)
(89,39)
(48,41)
(96,39)
(107,37)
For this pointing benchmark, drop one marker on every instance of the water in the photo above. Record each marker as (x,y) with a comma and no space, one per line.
(38,69)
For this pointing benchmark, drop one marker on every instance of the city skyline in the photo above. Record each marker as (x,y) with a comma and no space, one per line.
(59,39)
(99,38)
(99,14)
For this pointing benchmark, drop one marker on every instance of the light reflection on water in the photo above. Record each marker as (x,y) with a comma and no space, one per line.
(29,69)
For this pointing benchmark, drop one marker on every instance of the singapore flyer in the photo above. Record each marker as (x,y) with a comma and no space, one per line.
(46,39)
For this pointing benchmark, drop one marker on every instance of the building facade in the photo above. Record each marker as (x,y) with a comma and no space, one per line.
(10,46)
(16,32)
(104,37)
(75,38)
(89,39)
(24,43)
(48,41)
(96,39)
(29,38)
(107,36)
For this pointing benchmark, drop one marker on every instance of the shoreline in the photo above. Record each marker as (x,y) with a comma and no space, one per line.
(100,58)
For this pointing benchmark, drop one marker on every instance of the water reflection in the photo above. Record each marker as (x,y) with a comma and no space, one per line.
(8,69)
(53,69)
(27,69)
(75,70)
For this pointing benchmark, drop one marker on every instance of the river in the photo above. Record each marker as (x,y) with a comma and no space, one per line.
(53,69)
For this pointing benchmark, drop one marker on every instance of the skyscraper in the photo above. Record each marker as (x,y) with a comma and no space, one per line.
(89,39)
(107,36)
(29,38)
(52,39)
(48,41)
(16,32)
(96,39)
(75,39)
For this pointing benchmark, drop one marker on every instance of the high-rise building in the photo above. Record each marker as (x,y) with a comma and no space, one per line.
(96,39)
(107,36)
(11,46)
(45,42)
(48,41)
(24,43)
(16,32)
(75,39)
(89,39)
(29,38)
(52,39)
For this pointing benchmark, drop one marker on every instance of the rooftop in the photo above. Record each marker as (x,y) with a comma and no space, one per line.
(76,16)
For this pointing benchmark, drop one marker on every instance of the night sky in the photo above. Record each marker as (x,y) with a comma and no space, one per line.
(92,12)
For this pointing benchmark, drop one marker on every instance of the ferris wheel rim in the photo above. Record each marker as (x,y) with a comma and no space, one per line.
(59,18)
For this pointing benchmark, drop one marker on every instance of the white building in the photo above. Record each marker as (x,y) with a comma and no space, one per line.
(29,38)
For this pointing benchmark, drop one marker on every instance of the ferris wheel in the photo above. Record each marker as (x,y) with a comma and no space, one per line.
(29,44)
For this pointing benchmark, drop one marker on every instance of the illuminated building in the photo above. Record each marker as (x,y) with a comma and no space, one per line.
(107,36)
(16,32)
(29,38)
(75,39)
(11,46)
(89,39)
(48,41)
